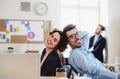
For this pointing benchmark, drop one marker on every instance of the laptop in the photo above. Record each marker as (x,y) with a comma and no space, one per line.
(18,66)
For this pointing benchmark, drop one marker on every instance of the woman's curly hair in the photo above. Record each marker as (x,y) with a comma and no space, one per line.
(63,41)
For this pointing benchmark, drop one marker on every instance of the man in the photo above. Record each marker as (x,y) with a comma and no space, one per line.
(84,61)
(97,43)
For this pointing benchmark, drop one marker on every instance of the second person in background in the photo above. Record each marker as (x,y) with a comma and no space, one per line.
(97,43)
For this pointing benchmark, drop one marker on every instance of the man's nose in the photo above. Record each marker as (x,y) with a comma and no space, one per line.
(78,36)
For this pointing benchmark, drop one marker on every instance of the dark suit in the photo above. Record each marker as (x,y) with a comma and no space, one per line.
(98,47)
(50,64)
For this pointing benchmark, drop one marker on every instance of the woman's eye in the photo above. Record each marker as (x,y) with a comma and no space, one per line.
(55,40)
(51,35)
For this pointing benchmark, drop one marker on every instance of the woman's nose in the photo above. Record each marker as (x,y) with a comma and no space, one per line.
(51,39)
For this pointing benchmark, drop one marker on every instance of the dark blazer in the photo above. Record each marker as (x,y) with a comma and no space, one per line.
(50,64)
(98,47)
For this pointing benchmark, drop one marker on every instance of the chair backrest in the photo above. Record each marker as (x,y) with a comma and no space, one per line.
(68,70)
(74,70)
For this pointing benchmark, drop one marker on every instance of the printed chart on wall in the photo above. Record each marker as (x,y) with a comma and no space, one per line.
(22,31)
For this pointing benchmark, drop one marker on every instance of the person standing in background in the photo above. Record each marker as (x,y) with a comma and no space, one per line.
(97,43)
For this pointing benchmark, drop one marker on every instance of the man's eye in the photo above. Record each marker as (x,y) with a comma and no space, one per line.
(72,36)
(77,33)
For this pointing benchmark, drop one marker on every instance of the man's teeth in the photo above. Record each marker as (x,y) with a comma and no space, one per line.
(78,41)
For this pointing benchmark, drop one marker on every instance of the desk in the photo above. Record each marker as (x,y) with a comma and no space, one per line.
(52,77)
(41,78)
(63,78)
(19,66)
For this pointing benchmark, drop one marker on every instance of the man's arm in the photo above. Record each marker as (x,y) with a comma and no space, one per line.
(85,39)
(79,62)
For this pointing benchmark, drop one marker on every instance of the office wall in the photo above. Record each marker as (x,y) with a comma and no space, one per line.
(113,30)
(11,9)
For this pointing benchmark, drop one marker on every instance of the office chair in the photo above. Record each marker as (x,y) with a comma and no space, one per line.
(68,70)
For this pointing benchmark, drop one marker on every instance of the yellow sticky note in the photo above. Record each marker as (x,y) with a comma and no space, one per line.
(17,29)
(42,26)
(7,32)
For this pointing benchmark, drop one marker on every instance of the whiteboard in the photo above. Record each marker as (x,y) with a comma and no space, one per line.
(36,33)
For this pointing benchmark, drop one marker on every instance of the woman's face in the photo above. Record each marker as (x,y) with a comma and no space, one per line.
(52,40)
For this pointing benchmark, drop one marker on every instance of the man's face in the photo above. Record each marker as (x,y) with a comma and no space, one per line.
(74,39)
(98,30)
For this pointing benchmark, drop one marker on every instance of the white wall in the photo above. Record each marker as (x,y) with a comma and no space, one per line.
(11,9)
(113,30)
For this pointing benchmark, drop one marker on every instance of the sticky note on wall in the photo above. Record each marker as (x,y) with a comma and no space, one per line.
(17,29)
(42,26)
(7,32)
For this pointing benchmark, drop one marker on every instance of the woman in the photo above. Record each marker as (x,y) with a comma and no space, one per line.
(50,59)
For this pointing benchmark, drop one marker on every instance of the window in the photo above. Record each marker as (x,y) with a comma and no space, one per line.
(86,14)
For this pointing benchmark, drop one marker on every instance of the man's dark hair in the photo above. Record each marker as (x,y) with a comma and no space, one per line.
(62,43)
(68,28)
(102,27)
